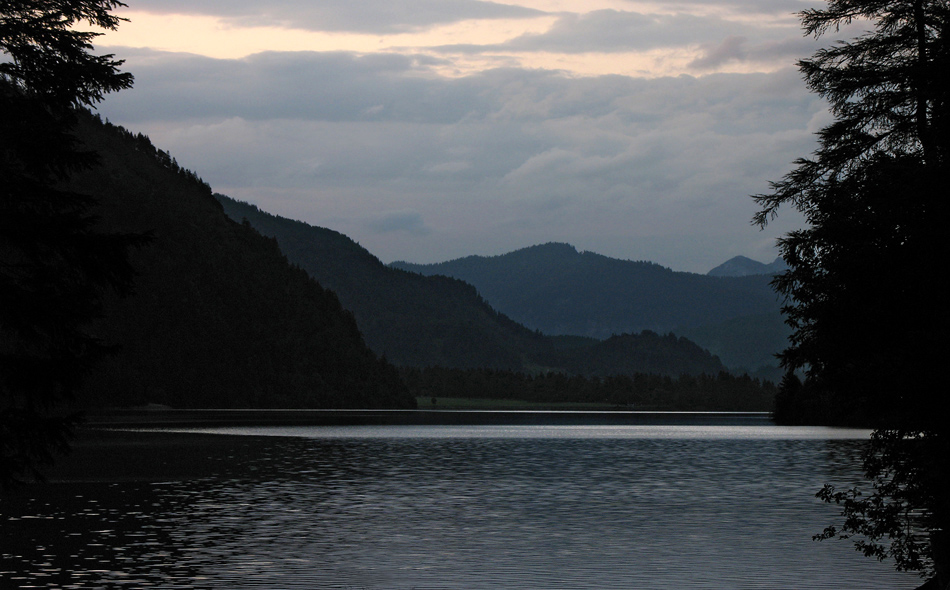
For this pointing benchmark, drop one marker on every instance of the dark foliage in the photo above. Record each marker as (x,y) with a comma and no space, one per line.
(864,302)
(72,205)
(863,297)
(640,391)
(50,55)
(55,264)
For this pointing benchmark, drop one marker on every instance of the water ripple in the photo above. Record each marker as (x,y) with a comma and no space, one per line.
(449,512)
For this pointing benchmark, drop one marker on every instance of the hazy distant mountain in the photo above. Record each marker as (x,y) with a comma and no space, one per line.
(740,266)
(558,290)
(218,318)
(423,321)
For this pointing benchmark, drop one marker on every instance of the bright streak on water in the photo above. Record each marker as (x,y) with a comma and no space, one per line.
(702,432)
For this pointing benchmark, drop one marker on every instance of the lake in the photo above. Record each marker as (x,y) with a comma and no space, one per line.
(695,502)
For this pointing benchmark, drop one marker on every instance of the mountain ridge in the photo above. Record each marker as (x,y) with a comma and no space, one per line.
(557,289)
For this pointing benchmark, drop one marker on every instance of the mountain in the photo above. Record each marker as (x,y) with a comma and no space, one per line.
(219,318)
(412,320)
(420,321)
(740,266)
(558,290)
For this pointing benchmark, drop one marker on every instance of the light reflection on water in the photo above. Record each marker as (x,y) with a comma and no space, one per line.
(676,431)
(449,507)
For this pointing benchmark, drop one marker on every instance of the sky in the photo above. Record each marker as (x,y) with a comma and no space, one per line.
(428,130)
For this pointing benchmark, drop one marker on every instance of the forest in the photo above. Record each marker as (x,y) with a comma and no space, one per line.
(639,391)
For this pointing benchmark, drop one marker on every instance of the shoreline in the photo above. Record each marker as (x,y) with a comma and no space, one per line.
(170,418)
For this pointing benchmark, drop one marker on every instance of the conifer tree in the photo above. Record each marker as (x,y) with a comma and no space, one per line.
(863,290)
(54,265)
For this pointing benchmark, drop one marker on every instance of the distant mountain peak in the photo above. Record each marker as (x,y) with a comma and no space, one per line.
(741,266)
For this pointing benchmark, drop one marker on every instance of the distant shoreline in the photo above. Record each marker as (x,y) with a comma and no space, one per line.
(171,418)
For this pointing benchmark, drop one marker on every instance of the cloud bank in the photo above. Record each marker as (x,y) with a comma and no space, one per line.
(365,16)
(420,166)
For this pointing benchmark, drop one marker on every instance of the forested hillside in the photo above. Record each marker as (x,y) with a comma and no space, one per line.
(421,321)
(218,317)
(412,320)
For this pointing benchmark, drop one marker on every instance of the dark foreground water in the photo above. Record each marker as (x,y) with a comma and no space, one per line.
(442,507)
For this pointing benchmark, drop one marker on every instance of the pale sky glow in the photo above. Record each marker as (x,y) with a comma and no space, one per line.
(432,129)
(216,37)
(222,38)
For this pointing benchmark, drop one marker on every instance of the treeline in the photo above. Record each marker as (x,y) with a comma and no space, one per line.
(641,391)
(142,143)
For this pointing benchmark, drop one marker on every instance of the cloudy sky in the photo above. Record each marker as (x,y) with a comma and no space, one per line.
(432,129)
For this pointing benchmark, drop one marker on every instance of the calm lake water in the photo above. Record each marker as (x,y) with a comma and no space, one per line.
(394,507)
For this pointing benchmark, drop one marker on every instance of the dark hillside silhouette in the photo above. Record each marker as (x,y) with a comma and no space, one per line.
(412,320)
(558,290)
(218,318)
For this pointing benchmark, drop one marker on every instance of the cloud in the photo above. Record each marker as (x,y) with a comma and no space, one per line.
(304,85)
(655,169)
(731,49)
(758,7)
(365,16)
(738,49)
(651,42)
(612,31)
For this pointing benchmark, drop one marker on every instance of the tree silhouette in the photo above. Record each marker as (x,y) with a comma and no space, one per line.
(54,265)
(862,295)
